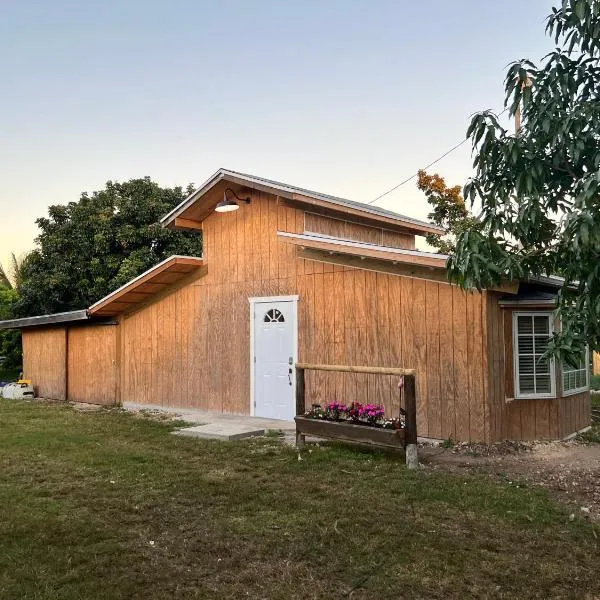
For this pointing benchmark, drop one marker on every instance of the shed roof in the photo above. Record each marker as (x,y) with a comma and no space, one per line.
(529,296)
(144,286)
(73,316)
(299,195)
(361,255)
(364,249)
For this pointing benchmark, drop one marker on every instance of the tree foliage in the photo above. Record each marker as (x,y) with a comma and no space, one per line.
(540,188)
(448,211)
(10,341)
(89,248)
(11,278)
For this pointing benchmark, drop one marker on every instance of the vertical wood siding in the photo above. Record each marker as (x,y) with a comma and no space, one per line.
(44,361)
(524,419)
(354,231)
(92,374)
(192,348)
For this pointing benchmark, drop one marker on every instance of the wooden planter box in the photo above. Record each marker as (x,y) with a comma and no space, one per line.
(348,432)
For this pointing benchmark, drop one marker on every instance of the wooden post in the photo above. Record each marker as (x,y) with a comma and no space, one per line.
(410,401)
(300,403)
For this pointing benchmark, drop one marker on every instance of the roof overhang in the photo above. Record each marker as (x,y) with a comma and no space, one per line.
(201,203)
(143,288)
(549,304)
(365,250)
(72,318)
(372,257)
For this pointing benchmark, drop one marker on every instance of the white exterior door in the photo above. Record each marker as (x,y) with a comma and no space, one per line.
(274,327)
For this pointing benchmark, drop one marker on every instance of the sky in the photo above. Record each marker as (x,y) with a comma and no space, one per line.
(345,97)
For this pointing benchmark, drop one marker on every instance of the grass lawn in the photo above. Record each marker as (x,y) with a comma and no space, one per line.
(107,505)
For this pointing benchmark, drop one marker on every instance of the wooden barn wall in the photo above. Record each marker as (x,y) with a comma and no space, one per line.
(360,233)
(574,413)
(191,348)
(596,363)
(92,361)
(524,419)
(44,361)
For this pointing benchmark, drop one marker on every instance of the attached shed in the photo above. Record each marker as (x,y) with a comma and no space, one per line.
(297,276)
(70,356)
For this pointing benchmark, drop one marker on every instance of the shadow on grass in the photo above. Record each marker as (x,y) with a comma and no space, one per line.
(106,505)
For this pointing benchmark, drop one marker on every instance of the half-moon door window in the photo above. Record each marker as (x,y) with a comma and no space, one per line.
(274,316)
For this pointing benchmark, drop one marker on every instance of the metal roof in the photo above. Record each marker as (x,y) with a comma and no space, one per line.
(291,189)
(54,319)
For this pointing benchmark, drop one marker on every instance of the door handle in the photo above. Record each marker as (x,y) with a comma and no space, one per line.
(290,375)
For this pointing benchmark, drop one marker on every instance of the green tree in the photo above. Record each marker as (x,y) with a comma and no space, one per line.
(10,341)
(540,188)
(11,278)
(448,211)
(89,248)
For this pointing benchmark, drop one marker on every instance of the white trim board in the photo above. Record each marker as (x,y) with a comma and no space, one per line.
(267,300)
(517,392)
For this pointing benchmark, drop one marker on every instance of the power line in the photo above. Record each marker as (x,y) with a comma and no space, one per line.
(455,147)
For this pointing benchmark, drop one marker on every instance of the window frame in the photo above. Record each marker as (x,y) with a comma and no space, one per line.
(579,390)
(517,389)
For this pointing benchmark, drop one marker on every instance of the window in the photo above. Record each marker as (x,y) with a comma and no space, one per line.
(534,375)
(274,316)
(575,379)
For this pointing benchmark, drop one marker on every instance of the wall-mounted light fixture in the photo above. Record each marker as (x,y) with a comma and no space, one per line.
(227,205)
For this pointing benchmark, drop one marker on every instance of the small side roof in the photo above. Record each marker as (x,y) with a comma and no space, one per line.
(372,257)
(295,194)
(144,286)
(363,249)
(54,319)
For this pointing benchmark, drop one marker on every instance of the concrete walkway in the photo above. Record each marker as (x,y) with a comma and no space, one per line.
(214,425)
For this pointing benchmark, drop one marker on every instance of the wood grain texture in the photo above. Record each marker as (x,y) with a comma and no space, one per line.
(192,346)
(44,361)
(92,364)
(346,230)
(524,419)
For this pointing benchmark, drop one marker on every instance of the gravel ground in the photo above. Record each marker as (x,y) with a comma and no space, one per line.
(569,469)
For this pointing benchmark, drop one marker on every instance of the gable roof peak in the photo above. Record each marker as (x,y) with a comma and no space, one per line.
(298,193)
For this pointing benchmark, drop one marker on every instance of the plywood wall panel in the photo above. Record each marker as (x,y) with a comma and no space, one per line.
(357,232)
(92,364)
(447,362)
(192,348)
(44,361)
(523,419)
(476,352)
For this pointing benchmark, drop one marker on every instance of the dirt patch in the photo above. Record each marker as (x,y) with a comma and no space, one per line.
(569,469)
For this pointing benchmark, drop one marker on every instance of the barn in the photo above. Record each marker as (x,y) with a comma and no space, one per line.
(292,275)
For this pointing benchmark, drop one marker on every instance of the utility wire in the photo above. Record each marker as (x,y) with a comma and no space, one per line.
(455,147)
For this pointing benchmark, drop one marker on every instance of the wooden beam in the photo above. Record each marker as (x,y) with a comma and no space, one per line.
(300,403)
(181,223)
(410,257)
(354,369)
(410,405)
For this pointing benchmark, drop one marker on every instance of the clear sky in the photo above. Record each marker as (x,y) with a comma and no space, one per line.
(346,97)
